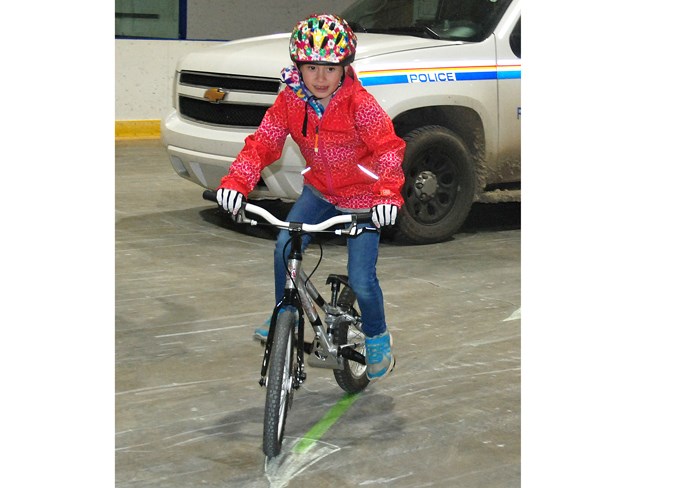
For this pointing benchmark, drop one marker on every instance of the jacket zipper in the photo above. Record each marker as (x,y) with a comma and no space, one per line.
(317,135)
(327,167)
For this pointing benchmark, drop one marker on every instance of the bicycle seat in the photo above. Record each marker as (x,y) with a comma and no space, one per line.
(334,278)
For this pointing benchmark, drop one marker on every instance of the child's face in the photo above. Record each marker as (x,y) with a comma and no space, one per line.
(321,80)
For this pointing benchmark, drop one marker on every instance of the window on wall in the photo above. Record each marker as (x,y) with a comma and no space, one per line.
(150,19)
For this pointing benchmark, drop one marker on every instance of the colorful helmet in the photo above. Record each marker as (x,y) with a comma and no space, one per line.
(323,39)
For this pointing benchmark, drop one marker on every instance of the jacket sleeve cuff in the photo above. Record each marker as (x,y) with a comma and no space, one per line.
(229,183)
(387,196)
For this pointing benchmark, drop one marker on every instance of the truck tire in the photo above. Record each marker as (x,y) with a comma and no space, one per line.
(439,186)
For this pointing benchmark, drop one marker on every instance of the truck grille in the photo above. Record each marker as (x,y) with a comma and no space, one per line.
(222,113)
(230,82)
(231,114)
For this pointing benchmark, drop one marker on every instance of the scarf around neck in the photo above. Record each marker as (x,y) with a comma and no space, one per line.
(292,77)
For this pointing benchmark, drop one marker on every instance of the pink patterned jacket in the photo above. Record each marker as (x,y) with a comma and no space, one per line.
(353,156)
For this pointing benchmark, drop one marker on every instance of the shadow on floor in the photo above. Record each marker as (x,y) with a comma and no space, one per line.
(493,216)
(483,217)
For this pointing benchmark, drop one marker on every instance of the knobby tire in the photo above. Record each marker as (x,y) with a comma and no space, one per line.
(279,390)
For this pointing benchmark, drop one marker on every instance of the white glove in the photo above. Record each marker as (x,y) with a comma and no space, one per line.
(230,200)
(384,214)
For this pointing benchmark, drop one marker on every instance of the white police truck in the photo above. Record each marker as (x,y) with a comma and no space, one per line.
(448,72)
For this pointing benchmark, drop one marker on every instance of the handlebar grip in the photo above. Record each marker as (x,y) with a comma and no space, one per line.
(364,218)
(209,195)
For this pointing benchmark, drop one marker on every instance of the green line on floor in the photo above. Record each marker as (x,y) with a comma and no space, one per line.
(318,430)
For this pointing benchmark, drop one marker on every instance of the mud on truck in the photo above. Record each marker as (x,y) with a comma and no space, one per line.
(448,73)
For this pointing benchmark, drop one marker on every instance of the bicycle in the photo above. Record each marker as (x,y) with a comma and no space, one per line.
(338,343)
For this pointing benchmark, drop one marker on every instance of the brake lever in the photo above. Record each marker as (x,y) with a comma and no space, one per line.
(241,218)
(354,231)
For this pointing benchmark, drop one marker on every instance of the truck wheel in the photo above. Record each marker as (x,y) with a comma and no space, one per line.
(439,185)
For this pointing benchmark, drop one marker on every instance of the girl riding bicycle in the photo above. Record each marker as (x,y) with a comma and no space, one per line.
(353,162)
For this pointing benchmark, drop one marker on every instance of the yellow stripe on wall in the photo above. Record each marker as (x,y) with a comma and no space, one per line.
(137,129)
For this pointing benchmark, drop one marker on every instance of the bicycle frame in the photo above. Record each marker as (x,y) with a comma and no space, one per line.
(302,295)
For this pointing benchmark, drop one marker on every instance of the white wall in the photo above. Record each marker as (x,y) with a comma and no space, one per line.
(144,73)
(144,69)
(235,19)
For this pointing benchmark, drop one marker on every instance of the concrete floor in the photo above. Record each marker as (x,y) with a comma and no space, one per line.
(189,292)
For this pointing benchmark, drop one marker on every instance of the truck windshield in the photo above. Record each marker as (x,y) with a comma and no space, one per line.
(456,20)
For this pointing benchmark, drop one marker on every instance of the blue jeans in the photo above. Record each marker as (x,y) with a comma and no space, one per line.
(362,257)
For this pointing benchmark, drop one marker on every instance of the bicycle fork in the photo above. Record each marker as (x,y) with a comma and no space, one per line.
(294,298)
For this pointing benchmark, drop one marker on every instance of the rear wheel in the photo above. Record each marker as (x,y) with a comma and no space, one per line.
(352,377)
(439,186)
(279,389)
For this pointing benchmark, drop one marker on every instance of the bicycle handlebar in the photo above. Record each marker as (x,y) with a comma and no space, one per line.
(353,219)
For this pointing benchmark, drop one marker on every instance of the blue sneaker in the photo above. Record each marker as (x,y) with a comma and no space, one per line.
(261,333)
(380,359)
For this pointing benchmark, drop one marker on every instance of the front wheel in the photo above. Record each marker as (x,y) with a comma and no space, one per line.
(279,389)
(352,377)
(439,186)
